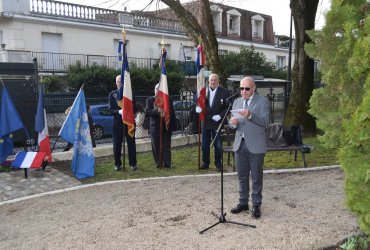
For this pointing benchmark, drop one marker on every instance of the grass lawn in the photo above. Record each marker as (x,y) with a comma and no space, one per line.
(185,162)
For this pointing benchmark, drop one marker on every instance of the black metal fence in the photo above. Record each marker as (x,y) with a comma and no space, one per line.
(184,104)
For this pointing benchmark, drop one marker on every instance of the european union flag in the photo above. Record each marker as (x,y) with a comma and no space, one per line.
(10,122)
(76,130)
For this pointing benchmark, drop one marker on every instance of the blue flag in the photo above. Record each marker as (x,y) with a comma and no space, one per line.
(76,130)
(10,121)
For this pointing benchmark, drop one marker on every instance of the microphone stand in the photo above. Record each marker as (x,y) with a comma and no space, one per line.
(222,216)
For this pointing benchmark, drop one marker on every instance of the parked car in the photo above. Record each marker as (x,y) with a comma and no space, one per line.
(102,121)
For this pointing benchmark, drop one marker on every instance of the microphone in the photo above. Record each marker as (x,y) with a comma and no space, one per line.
(235,95)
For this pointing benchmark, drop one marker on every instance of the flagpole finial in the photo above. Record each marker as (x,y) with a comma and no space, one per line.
(200,39)
(123,33)
(162,42)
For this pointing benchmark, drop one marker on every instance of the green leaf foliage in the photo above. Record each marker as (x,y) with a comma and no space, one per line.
(53,83)
(101,79)
(96,79)
(250,62)
(342,106)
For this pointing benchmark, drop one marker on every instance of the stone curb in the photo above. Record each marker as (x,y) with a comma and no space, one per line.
(280,171)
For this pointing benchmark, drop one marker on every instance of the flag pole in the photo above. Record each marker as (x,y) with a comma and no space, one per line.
(161,120)
(122,77)
(199,119)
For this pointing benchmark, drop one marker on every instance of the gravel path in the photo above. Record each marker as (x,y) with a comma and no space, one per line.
(302,210)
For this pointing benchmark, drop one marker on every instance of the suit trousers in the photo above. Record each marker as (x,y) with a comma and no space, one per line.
(166,148)
(117,137)
(248,163)
(207,136)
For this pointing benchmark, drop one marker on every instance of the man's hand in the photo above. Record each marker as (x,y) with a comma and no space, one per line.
(120,112)
(246,113)
(198,109)
(161,112)
(234,121)
(216,118)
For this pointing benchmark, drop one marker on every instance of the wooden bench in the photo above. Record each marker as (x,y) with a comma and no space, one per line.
(296,144)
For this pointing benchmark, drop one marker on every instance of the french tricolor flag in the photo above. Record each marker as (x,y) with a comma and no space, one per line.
(201,87)
(25,159)
(41,127)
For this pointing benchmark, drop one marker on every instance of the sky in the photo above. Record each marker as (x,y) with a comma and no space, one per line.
(278,9)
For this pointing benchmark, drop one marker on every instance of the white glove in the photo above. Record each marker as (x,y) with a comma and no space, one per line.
(216,118)
(198,109)
(120,112)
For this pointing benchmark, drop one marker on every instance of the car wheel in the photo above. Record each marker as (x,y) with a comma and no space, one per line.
(98,132)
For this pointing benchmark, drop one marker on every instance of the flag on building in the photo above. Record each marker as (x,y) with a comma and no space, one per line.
(10,122)
(162,100)
(125,93)
(201,87)
(76,130)
(25,159)
(41,126)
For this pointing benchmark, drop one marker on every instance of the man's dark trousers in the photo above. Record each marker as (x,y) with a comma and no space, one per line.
(207,136)
(118,127)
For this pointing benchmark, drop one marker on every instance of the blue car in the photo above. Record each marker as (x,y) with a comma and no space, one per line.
(102,121)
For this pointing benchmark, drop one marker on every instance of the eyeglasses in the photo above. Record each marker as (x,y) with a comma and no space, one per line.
(245,88)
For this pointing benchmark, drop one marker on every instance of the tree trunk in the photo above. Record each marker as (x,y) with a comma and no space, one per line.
(304,13)
(199,27)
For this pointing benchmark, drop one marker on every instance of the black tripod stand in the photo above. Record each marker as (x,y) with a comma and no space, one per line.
(222,216)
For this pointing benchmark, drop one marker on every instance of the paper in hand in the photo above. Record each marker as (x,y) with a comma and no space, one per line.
(235,113)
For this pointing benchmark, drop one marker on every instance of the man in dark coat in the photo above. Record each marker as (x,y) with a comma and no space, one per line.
(119,128)
(154,130)
(216,108)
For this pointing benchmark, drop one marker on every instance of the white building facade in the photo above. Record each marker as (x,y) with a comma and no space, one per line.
(60,34)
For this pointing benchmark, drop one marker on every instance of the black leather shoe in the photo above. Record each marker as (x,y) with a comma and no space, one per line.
(256,212)
(204,166)
(239,208)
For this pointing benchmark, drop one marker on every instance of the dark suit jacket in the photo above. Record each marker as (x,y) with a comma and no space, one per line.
(152,112)
(114,108)
(219,107)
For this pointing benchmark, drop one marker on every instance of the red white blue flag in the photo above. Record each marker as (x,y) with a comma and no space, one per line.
(162,100)
(201,87)
(41,127)
(125,93)
(25,159)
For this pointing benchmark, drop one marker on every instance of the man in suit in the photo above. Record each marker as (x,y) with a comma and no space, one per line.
(250,144)
(154,130)
(216,108)
(119,128)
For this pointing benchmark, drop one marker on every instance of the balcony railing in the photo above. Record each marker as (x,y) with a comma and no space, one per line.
(99,15)
(59,62)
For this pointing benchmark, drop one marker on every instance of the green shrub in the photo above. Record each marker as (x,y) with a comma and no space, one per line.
(250,62)
(342,106)
(53,83)
(96,79)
